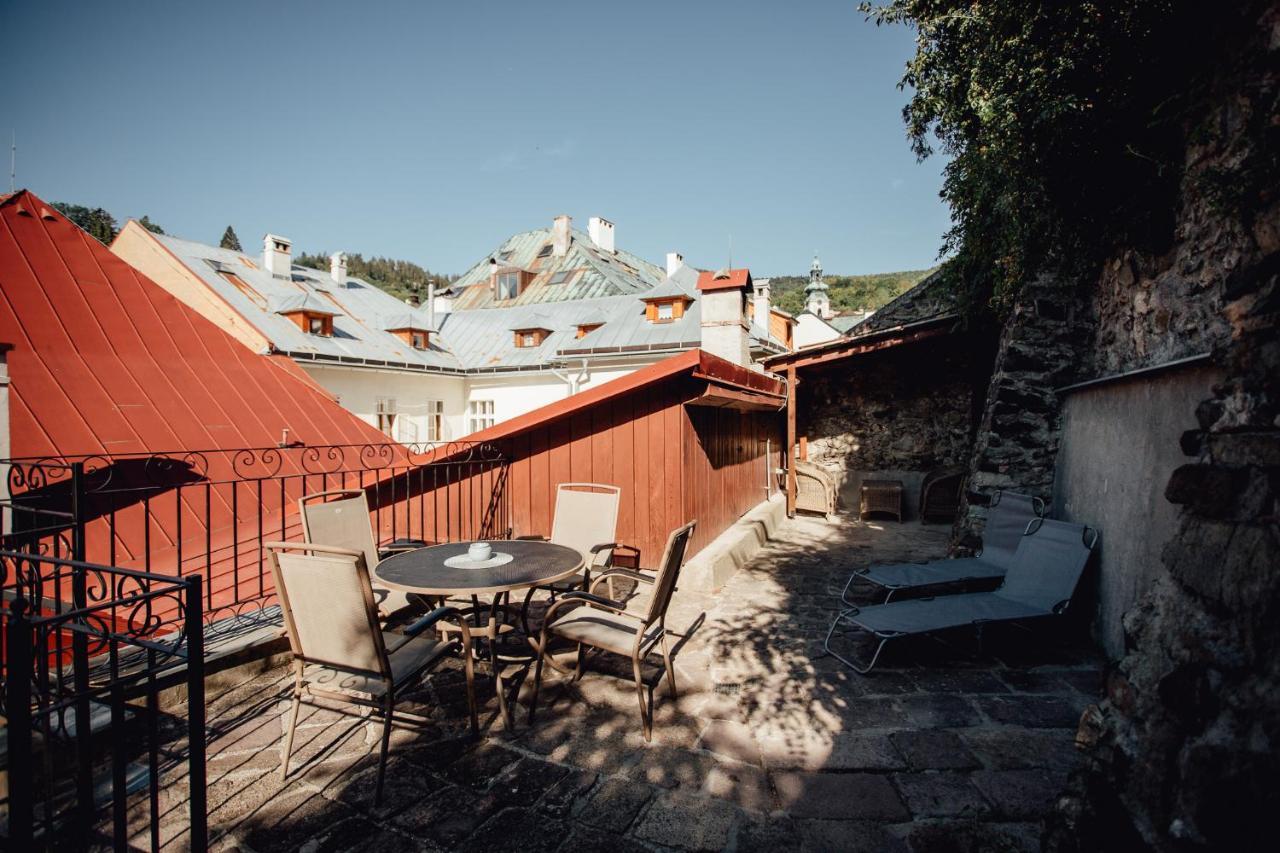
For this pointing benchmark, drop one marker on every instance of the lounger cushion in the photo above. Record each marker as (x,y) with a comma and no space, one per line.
(921,615)
(408,656)
(600,628)
(938,571)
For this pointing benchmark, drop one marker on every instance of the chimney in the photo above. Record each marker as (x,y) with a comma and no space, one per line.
(276,256)
(560,236)
(431,305)
(601,233)
(675,260)
(338,268)
(724,314)
(761,302)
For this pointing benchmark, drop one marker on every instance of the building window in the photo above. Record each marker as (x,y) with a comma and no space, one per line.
(587,328)
(509,284)
(545,251)
(418,340)
(435,420)
(318,324)
(481,415)
(666,311)
(530,337)
(386,411)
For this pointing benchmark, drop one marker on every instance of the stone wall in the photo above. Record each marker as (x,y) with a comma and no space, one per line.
(900,412)
(1186,744)
(1017,439)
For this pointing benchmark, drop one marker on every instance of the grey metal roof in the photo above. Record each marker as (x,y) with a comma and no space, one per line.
(584,272)
(361,309)
(932,298)
(308,302)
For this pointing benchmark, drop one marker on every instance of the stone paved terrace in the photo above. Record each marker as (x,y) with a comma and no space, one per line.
(771,745)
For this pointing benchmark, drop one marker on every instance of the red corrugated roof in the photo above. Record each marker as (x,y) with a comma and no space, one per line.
(731,279)
(106,361)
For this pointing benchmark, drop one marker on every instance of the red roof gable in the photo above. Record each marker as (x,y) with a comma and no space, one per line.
(730,280)
(106,361)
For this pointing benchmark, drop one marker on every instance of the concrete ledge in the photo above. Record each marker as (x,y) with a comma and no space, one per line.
(711,568)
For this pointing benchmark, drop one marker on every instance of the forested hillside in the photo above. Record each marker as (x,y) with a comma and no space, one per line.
(394,276)
(847,292)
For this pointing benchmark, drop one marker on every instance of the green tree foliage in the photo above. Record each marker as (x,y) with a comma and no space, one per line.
(146,223)
(230,240)
(394,276)
(846,292)
(100,224)
(1065,125)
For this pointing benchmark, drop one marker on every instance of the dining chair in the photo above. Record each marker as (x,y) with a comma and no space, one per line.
(341,518)
(340,653)
(591,620)
(585,519)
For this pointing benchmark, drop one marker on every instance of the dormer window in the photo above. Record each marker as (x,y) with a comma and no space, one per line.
(534,337)
(508,284)
(665,310)
(319,324)
(412,336)
(418,340)
(585,329)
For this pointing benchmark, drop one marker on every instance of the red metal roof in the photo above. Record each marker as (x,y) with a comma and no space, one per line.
(106,361)
(730,280)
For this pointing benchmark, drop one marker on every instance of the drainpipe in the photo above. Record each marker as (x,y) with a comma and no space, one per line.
(6,451)
(574,382)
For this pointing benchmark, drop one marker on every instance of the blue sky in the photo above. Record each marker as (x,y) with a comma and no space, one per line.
(430,131)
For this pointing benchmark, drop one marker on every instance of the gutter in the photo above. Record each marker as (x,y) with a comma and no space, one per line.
(1201,358)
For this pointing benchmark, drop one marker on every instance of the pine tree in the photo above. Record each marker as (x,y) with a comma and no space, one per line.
(146,223)
(100,224)
(230,240)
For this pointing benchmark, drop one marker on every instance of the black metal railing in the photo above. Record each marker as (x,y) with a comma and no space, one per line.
(208,512)
(86,655)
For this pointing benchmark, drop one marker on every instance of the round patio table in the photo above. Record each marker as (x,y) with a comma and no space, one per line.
(533,563)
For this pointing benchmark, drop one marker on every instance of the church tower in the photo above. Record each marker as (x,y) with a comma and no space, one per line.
(815,293)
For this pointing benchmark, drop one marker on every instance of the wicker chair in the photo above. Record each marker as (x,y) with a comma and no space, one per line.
(940,495)
(815,488)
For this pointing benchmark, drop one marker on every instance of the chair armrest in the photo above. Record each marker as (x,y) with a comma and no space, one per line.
(416,627)
(620,573)
(310,546)
(603,546)
(579,597)
(533,538)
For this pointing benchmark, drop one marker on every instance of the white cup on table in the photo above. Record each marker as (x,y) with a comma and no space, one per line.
(480,551)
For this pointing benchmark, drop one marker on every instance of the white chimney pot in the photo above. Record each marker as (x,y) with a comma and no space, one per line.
(601,232)
(338,268)
(762,304)
(560,236)
(675,260)
(277,256)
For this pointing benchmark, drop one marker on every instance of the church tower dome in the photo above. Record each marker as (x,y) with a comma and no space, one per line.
(817,301)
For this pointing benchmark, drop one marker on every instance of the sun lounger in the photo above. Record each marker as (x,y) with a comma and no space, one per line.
(1009,517)
(1040,583)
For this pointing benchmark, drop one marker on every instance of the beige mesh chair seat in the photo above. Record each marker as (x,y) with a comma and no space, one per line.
(341,518)
(614,632)
(339,651)
(408,657)
(592,621)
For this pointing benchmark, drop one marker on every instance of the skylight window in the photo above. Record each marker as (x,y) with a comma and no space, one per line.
(561,277)
(545,251)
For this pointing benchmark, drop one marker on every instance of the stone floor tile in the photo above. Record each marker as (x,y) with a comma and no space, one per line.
(742,784)
(950,836)
(940,794)
(523,783)
(839,796)
(517,829)
(1032,711)
(1009,748)
(934,750)
(447,817)
(586,839)
(1020,794)
(568,796)
(730,740)
(814,836)
(284,823)
(938,711)
(615,804)
(359,834)
(688,823)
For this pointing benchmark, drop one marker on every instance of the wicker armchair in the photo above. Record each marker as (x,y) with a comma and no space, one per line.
(815,488)
(940,495)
